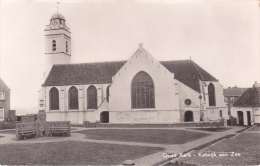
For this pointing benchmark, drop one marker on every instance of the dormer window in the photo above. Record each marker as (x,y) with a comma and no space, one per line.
(53,45)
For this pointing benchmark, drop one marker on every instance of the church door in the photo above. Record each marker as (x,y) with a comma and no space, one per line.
(248,118)
(104,117)
(188,116)
(240,118)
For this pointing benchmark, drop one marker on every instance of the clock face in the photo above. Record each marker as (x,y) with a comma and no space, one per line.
(54,22)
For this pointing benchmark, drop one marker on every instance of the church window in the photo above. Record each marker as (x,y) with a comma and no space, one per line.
(53,45)
(66,46)
(92,97)
(142,91)
(107,93)
(211,91)
(54,99)
(73,98)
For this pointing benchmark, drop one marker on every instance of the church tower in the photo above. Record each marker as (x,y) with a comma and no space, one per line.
(57,43)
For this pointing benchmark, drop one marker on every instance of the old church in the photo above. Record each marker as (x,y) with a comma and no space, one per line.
(138,90)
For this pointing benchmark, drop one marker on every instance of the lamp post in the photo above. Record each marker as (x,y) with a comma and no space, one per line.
(201,113)
(41,103)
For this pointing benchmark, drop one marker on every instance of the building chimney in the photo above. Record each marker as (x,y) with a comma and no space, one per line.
(256,85)
(140,45)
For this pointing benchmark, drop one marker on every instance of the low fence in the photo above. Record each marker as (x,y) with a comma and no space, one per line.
(7,125)
(89,124)
(232,121)
(217,123)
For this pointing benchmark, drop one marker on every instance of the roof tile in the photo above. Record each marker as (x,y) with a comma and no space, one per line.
(186,71)
(251,98)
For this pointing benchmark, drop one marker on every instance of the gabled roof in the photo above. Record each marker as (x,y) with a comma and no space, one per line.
(2,84)
(186,71)
(235,91)
(83,73)
(251,98)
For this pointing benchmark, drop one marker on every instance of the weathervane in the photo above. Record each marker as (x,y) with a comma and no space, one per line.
(58,7)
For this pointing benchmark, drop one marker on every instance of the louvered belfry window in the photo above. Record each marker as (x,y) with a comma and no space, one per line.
(54,99)
(54,45)
(66,46)
(92,97)
(142,91)
(211,92)
(73,98)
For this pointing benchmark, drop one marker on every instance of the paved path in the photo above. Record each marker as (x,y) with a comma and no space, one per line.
(181,148)
(147,160)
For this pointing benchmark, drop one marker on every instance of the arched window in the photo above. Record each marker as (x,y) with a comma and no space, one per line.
(142,91)
(211,91)
(53,45)
(54,99)
(92,97)
(107,97)
(73,98)
(66,46)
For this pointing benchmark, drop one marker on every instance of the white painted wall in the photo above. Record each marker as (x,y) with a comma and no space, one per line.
(254,119)
(120,90)
(212,112)
(185,92)
(82,96)
(76,117)
(166,101)
(144,116)
(219,94)
(59,56)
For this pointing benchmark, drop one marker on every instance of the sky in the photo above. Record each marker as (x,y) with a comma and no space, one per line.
(220,36)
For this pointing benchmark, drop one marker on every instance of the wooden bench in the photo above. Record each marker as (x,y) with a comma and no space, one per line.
(58,130)
(28,132)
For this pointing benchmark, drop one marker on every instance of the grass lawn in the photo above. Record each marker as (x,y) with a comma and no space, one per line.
(246,144)
(210,129)
(154,136)
(71,153)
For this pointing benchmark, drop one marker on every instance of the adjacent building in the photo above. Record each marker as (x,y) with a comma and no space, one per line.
(231,96)
(138,90)
(4,101)
(247,108)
